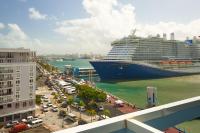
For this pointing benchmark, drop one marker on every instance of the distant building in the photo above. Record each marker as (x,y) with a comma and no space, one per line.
(17,83)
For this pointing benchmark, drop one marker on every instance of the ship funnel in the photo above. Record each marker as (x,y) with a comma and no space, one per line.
(172,36)
(164,36)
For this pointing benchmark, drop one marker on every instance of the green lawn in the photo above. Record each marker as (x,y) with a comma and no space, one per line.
(168,90)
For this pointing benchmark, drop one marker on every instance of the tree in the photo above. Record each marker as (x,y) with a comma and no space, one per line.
(38,100)
(69,102)
(88,94)
(81,103)
(91,113)
(106,112)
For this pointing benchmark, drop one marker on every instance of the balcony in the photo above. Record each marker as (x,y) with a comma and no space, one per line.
(6,86)
(6,71)
(6,79)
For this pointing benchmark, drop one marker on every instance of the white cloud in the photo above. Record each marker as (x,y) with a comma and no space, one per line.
(16,37)
(109,20)
(1,26)
(181,30)
(36,15)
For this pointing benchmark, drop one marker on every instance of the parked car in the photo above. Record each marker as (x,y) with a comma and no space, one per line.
(54,106)
(64,104)
(71,117)
(75,105)
(24,120)
(46,100)
(11,124)
(44,106)
(54,110)
(100,108)
(81,108)
(49,104)
(19,128)
(45,110)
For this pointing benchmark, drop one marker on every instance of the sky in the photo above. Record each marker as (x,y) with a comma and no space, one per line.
(89,26)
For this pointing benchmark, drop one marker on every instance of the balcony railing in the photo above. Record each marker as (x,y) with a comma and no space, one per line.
(6,71)
(5,79)
(6,94)
(6,101)
(5,86)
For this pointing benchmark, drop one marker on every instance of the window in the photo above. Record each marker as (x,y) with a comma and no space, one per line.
(18,75)
(24,104)
(31,74)
(9,83)
(18,82)
(30,103)
(1,106)
(17,88)
(31,80)
(9,105)
(17,105)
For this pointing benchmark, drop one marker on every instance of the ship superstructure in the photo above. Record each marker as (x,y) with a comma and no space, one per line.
(151,57)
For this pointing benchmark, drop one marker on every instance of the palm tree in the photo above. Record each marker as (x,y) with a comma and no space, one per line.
(69,102)
(92,113)
(81,103)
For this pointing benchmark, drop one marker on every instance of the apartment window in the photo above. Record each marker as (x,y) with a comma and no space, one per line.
(24,104)
(1,106)
(31,74)
(31,68)
(9,91)
(17,88)
(31,80)
(17,96)
(9,83)
(9,105)
(18,69)
(17,105)
(18,75)
(1,119)
(18,82)
(30,103)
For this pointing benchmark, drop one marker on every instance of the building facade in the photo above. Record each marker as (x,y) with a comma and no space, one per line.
(17,83)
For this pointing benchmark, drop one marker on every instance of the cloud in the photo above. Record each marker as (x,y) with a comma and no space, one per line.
(181,30)
(109,20)
(1,26)
(15,37)
(36,15)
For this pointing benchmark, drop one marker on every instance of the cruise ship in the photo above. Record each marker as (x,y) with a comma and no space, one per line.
(136,58)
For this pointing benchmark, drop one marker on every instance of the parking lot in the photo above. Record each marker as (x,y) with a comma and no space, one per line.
(51,119)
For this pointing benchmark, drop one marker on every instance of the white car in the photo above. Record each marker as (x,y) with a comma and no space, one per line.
(81,108)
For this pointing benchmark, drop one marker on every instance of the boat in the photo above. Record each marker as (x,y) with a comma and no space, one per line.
(137,58)
(59,60)
(69,59)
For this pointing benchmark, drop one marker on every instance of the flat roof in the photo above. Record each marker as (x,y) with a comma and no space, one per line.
(15,50)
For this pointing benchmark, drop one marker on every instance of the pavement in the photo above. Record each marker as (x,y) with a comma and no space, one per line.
(52,120)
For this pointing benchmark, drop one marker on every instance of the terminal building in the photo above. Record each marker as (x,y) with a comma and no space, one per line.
(17,83)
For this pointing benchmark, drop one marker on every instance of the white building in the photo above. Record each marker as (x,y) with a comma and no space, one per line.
(17,83)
